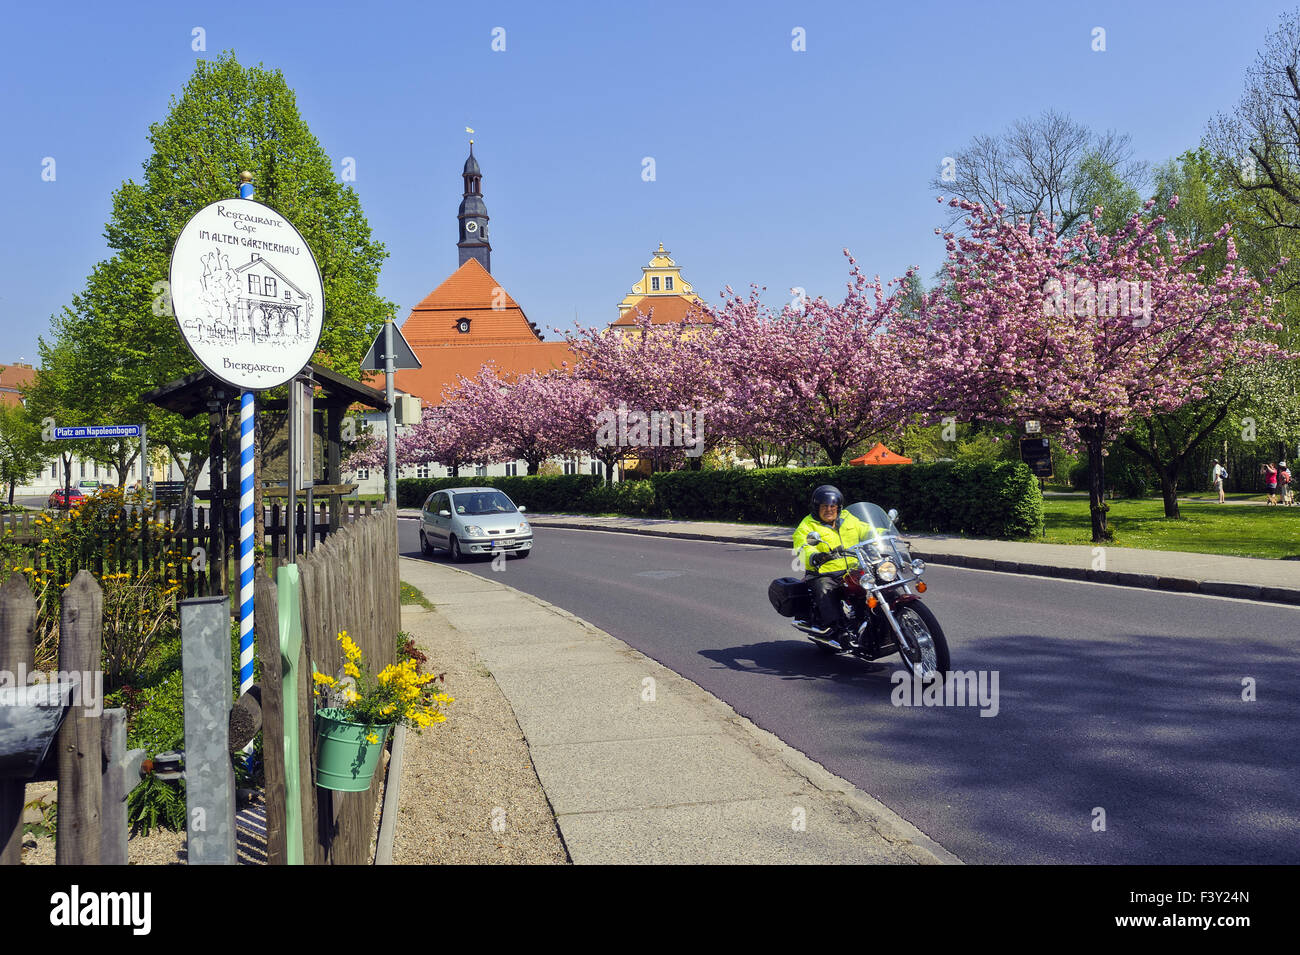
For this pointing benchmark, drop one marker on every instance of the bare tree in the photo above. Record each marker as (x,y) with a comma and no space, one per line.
(1258,144)
(1049,164)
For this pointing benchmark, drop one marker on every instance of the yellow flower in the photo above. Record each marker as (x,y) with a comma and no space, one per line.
(372,738)
(350,695)
(323,679)
(351,670)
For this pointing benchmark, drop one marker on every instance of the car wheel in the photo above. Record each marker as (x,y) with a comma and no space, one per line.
(521,554)
(425,549)
(456,554)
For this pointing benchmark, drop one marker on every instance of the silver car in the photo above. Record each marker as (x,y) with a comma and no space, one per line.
(473,520)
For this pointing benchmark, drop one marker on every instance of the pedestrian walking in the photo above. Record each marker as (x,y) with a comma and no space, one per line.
(1218,474)
(1284,484)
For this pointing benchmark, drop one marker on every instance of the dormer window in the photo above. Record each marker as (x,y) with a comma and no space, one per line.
(668,283)
(654,283)
(462,326)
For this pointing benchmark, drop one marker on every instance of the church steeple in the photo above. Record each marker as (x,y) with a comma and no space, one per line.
(473,216)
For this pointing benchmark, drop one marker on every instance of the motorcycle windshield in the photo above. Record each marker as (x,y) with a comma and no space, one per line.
(879,528)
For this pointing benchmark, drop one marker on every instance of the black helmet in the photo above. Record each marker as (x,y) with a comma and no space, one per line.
(826,494)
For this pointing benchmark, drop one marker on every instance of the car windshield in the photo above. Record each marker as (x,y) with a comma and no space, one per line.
(876,519)
(483,502)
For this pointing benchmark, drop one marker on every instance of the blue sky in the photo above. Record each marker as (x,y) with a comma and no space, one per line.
(768,161)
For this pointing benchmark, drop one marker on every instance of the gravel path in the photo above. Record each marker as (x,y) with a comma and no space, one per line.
(470,794)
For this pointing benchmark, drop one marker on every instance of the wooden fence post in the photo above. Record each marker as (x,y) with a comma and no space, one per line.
(121,775)
(80,752)
(17,638)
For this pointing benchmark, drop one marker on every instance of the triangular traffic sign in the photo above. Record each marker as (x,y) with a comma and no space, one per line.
(403,355)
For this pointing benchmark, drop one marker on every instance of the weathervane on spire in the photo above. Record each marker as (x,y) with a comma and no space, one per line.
(471,142)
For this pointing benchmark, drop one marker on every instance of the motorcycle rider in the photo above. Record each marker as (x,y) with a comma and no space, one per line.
(836,528)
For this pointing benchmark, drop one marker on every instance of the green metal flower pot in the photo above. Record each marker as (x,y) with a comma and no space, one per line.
(345,761)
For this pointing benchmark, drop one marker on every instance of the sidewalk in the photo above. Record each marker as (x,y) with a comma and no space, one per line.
(642,766)
(1248,578)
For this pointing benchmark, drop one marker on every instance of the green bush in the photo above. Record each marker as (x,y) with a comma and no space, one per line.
(536,493)
(983,499)
(989,499)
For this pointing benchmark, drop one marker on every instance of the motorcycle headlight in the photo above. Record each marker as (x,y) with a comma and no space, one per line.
(918,567)
(886,571)
(473,530)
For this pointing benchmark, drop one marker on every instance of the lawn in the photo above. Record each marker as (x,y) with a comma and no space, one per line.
(1206,527)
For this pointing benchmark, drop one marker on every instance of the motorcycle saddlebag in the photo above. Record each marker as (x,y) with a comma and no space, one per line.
(790,597)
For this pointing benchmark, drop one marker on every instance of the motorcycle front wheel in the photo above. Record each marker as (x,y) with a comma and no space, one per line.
(924,648)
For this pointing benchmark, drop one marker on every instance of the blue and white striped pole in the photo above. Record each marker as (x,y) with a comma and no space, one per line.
(246,519)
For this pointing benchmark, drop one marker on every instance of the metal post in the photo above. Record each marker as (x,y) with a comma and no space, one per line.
(144,459)
(209,780)
(246,406)
(392,413)
(246,544)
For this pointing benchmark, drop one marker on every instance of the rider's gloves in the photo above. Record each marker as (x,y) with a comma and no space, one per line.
(818,559)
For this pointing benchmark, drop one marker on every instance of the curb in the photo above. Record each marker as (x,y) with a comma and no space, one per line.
(1188,585)
(888,824)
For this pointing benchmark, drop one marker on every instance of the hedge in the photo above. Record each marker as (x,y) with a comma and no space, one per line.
(999,499)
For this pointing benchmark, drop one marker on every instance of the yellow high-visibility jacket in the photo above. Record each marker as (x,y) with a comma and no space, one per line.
(846,532)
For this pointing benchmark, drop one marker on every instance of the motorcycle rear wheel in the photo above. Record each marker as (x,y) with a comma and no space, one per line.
(925,648)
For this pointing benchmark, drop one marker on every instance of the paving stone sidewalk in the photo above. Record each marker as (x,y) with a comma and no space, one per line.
(642,766)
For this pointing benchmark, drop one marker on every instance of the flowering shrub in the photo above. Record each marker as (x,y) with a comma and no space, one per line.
(400,694)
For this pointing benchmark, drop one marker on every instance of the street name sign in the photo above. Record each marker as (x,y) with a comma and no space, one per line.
(247,294)
(98,431)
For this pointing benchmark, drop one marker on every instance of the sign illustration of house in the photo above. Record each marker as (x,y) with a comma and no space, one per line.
(270,308)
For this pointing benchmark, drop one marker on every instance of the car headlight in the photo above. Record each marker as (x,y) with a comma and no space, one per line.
(523,527)
(886,571)
(473,530)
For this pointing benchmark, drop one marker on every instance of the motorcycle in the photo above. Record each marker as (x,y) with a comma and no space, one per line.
(881,600)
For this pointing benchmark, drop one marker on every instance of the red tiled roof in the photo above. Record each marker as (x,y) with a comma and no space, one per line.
(13,380)
(662,309)
(469,292)
(443,363)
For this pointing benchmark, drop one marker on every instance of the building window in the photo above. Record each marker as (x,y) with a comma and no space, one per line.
(570,466)
(83,468)
(363,474)
(512,469)
(422,470)
(595,468)
(254,285)
(268,287)
(654,283)
(54,469)
(480,470)
(668,284)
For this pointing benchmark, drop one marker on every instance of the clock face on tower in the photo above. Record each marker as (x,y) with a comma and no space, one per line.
(471,227)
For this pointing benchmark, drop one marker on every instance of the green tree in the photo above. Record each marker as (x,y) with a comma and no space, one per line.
(22,452)
(120,336)
(230,119)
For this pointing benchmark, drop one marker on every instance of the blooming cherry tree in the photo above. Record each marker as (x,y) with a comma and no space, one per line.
(1086,334)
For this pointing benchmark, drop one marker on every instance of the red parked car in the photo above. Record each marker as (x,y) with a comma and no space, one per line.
(56,499)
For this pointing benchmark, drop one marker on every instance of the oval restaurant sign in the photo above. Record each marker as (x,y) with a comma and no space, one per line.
(246,293)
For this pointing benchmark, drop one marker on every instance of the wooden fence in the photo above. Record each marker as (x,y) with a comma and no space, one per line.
(166,543)
(349,582)
(88,757)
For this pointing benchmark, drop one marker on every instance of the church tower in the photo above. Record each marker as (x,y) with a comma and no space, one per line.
(473,217)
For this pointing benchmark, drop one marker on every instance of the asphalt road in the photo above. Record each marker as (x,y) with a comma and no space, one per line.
(1111,699)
